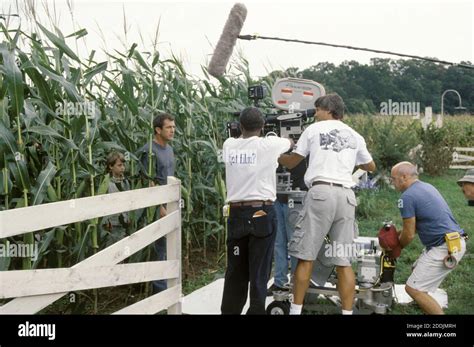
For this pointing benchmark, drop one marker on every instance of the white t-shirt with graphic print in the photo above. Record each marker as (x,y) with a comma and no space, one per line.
(250,167)
(335,149)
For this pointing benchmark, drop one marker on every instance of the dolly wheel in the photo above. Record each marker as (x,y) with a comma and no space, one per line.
(279,308)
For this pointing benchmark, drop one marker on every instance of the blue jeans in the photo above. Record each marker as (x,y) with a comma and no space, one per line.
(283,236)
(160,250)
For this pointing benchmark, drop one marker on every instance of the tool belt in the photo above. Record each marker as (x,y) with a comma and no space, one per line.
(453,242)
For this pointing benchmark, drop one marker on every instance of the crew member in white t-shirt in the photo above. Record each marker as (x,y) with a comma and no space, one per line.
(250,164)
(329,207)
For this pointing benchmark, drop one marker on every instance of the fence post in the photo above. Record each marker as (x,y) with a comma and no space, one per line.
(173,248)
(439,121)
(426,121)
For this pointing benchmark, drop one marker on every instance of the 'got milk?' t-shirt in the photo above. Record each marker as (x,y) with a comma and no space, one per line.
(250,167)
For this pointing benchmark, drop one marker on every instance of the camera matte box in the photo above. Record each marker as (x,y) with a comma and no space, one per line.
(295,95)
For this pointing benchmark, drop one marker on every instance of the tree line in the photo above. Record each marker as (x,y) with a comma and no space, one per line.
(364,87)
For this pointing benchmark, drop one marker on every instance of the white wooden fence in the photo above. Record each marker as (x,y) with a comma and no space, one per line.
(463,158)
(34,290)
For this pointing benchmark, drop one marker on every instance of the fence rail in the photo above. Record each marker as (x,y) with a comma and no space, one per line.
(34,290)
(462,158)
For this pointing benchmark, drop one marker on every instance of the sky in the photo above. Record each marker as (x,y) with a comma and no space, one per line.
(190,29)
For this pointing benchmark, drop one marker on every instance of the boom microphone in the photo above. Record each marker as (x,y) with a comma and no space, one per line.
(227,41)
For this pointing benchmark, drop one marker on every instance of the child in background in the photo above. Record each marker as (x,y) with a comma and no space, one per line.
(116,224)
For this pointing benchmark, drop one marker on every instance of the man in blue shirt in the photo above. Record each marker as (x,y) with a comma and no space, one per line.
(162,166)
(425,211)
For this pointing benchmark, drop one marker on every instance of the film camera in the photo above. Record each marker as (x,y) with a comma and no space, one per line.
(294,100)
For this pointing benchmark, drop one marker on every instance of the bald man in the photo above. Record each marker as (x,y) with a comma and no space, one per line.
(424,211)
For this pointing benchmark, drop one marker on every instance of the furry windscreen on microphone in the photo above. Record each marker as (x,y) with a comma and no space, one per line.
(227,41)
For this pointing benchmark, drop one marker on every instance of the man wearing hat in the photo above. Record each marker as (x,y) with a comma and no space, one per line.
(424,211)
(467,185)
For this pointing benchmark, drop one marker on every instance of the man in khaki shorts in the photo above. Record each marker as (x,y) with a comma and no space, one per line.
(425,211)
(329,207)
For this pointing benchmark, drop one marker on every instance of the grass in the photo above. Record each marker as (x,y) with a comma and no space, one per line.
(203,270)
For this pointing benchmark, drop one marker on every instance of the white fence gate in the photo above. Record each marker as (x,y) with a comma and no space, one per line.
(463,158)
(34,290)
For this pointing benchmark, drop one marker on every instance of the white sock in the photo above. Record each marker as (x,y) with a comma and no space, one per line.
(295,309)
(344,312)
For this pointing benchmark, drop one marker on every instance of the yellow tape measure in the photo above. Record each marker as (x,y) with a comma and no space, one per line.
(453,242)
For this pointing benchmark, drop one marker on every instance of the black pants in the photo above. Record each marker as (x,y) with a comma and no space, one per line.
(250,243)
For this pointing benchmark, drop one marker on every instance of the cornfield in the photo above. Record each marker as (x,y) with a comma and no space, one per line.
(60,115)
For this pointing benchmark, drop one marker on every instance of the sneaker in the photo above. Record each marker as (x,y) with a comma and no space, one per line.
(275,288)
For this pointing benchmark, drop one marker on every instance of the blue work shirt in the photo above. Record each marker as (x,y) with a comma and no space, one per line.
(433,216)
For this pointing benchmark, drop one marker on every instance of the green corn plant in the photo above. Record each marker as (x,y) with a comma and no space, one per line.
(127,89)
